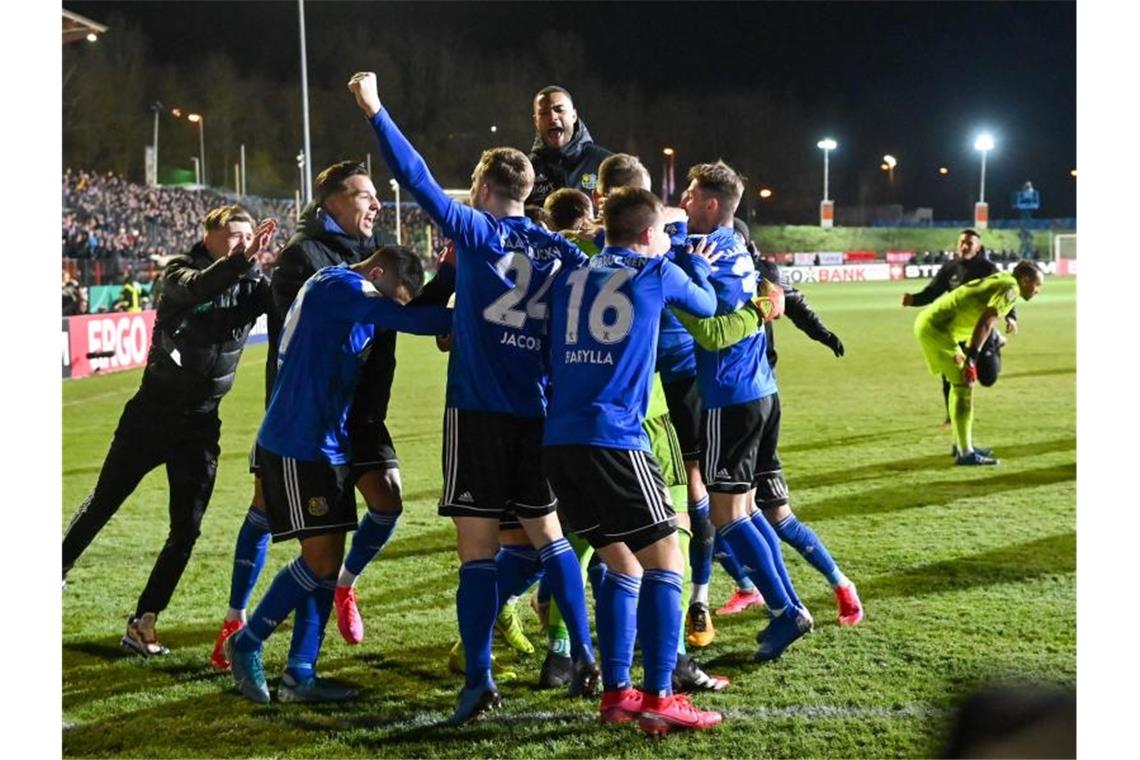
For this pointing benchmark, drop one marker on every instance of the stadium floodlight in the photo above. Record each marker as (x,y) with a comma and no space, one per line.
(943,170)
(396,189)
(984,143)
(494,128)
(668,151)
(92,37)
(826,145)
(765,192)
(890,162)
(1072,172)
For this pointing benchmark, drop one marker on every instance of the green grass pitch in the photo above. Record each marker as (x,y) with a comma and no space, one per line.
(967,574)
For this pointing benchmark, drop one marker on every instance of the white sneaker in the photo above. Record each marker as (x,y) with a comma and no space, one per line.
(142,637)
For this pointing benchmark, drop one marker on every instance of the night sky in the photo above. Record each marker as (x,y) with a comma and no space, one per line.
(916,80)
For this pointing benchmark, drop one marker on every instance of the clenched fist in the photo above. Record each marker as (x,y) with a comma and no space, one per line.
(363,88)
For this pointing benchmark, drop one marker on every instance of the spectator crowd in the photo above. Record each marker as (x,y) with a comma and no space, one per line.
(116,232)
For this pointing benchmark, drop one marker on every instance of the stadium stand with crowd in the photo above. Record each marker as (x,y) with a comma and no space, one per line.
(115,230)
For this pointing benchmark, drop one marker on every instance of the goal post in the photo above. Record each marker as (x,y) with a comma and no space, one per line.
(1064,246)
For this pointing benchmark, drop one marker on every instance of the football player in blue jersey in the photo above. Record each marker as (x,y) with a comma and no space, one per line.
(677,367)
(496,396)
(624,170)
(788,527)
(741,415)
(337,227)
(603,342)
(305,454)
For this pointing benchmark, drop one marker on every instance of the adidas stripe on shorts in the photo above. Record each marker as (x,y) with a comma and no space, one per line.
(610,495)
(492,467)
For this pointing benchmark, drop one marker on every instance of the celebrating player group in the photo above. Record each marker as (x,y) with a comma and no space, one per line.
(609,357)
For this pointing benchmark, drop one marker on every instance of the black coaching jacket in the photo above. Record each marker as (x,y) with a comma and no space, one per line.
(205,313)
(574,165)
(797,309)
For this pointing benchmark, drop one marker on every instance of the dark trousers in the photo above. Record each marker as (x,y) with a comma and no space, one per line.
(148,435)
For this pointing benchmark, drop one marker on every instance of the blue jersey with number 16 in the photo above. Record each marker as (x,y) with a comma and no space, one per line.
(603,343)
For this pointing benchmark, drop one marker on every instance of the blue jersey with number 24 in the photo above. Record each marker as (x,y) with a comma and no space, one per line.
(504,270)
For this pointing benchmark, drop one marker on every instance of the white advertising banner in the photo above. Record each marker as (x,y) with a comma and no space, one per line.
(845,273)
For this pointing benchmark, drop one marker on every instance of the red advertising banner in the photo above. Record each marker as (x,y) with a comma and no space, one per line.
(899,257)
(858,257)
(106,342)
(66,340)
(982,215)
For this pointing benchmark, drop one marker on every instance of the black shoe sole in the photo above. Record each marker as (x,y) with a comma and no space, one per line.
(491,700)
(128,643)
(586,685)
(557,675)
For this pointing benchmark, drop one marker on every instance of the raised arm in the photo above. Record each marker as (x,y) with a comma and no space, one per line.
(459,222)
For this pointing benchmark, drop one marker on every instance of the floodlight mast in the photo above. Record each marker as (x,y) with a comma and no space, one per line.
(826,145)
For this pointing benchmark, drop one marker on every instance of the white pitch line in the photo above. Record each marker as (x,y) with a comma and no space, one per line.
(106,394)
(809,712)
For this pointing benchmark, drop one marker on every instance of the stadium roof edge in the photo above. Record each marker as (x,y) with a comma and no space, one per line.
(76,27)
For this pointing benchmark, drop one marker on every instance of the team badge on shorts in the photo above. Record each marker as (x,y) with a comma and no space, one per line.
(318,506)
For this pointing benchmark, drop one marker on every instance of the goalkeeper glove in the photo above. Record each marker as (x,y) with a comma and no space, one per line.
(835,344)
(970,367)
(770,301)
